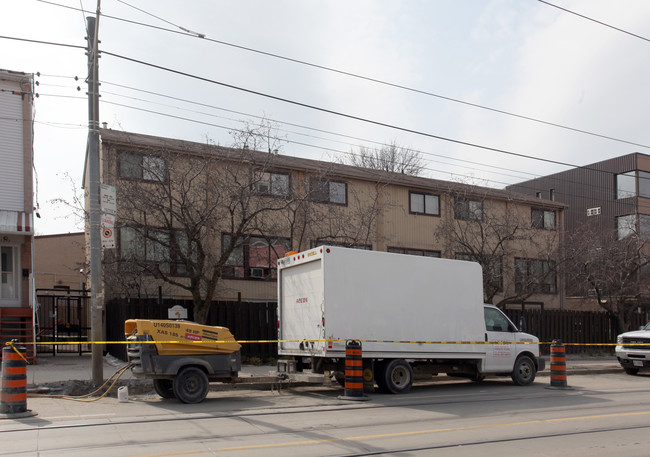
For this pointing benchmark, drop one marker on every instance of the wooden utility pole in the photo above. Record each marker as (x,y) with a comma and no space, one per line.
(96,288)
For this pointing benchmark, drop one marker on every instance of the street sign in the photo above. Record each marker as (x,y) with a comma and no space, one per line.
(108,198)
(108,231)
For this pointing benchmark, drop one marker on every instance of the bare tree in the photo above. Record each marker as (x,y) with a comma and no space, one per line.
(192,218)
(75,206)
(262,135)
(614,271)
(493,235)
(390,157)
(190,215)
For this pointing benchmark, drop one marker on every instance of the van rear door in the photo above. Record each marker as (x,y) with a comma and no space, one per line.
(301,308)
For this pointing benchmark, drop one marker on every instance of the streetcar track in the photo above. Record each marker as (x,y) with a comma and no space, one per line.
(283,410)
(330,439)
(494,441)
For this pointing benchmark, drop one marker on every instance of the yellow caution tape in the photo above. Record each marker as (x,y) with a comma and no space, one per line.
(11,343)
(62,343)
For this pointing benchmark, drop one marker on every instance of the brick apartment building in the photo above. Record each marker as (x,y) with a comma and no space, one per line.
(311,202)
(607,196)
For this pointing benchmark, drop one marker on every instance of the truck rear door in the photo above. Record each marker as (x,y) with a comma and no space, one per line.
(300,309)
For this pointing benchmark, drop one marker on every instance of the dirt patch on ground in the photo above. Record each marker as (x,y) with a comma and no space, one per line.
(79,388)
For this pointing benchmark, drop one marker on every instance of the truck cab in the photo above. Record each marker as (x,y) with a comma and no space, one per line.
(633,350)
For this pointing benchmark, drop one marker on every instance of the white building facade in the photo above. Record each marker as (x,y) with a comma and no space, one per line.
(16,189)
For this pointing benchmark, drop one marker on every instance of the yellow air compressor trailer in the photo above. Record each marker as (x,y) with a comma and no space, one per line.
(181,357)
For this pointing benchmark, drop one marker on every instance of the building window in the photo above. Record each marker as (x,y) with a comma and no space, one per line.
(468,209)
(644,226)
(153,246)
(9,268)
(538,194)
(537,276)
(626,185)
(542,218)
(625,226)
(644,184)
(424,204)
(139,166)
(254,257)
(323,190)
(271,183)
(551,194)
(420,252)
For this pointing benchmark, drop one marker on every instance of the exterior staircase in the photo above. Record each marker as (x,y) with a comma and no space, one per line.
(18,324)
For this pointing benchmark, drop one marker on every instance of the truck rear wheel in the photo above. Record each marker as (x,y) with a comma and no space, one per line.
(191,385)
(395,376)
(164,388)
(524,371)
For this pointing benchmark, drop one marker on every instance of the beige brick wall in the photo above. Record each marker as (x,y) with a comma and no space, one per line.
(58,260)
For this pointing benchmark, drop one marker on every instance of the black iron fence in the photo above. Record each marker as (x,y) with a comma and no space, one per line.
(250,321)
(254,321)
(584,327)
(62,316)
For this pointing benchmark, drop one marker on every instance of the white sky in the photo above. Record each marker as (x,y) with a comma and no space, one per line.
(522,57)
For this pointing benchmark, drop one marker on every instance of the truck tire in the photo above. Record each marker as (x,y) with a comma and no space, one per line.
(631,371)
(524,371)
(395,376)
(164,388)
(191,385)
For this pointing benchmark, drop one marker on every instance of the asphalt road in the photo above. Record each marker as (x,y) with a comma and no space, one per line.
(601,415)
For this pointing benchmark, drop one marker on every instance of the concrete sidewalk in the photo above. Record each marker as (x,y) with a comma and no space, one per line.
(73,367)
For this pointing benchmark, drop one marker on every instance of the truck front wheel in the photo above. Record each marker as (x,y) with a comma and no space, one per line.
(631,371)
(524,371)
(191,385)
(395,376)
(164,387)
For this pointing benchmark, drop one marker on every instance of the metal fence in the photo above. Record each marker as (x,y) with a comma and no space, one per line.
(62,316)
(583,327)
(251,321)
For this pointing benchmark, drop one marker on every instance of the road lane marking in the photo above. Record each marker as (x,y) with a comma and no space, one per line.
(424,432)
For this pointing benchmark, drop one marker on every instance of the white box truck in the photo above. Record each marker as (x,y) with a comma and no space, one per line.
(412,314)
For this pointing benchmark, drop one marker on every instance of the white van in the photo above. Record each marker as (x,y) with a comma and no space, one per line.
(410,313)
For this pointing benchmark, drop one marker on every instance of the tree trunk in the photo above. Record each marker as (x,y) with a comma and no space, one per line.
(201,310)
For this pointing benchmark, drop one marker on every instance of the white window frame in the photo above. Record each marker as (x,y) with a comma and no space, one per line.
(14,298)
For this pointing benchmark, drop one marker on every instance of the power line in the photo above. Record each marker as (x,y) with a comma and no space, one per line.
(199,35)
(335,113)
(52,43)
(357,76)
(323,148)
(173,116)
(311,106)
(281,122)
(297,125)
(349,153)
(594,20)
(440,171)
